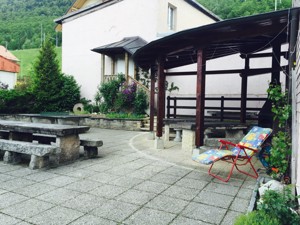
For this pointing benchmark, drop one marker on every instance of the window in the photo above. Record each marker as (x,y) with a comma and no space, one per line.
(171,17)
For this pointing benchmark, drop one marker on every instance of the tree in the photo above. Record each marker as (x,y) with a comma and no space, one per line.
(227,9)
(53,90)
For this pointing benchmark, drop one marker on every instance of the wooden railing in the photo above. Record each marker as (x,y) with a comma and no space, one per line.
(219,111)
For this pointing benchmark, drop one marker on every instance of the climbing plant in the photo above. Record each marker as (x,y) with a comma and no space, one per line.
(281,141)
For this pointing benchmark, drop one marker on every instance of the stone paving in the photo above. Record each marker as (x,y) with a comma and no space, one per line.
(129,183)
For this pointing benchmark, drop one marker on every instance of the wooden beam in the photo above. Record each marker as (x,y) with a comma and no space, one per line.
(102,67)
(276,63)
(126,65)
(161,97)
(244,92)
(152,98)
(250,72)
(200,96)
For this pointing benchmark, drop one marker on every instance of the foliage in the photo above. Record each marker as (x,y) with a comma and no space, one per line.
(53,91)
(27,57)
(25,23)
(109,90)
(119,96)
(227,9)
(16,101)
(123,116)
(172,87)
(274,208)
(281,141)
(279,204)
(256,218)
(140,102)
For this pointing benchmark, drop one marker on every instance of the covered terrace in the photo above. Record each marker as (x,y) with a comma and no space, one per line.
(246,36)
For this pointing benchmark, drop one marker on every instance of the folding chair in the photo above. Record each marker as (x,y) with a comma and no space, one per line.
(240,155)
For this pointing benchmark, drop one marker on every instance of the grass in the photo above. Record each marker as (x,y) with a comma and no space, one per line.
(28,56)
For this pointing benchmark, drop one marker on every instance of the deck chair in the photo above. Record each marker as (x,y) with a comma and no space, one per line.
(239,155)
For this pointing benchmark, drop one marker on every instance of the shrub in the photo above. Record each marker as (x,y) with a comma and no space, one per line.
(278,205)
(140,102)
(256,218)
(110,89)
(16,101)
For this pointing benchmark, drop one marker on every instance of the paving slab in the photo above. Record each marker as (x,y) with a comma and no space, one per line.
(130,183)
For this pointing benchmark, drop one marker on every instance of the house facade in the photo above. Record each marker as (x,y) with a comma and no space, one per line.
(9,68)
(92,24)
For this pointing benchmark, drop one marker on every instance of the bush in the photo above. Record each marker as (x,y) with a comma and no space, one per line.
(140,102)
(16,101)
(275,208)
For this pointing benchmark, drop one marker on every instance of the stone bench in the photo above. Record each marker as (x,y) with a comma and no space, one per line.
(90,146)
(231,131)
(41,155)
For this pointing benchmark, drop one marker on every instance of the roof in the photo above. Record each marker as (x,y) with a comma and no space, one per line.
(128,44)
(7,54)
(76,9)
(8,65)
(243,35)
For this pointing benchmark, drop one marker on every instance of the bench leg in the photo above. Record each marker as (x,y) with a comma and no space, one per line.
(54,160)
(167,133)
(37,162)
(90,152)
(12,157)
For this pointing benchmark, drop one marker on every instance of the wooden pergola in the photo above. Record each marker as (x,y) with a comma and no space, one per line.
(246,36)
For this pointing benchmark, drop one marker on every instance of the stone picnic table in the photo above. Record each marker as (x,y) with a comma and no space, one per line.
(66,136)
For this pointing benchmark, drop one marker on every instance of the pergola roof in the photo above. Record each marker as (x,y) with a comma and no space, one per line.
(243,35)
(127,44)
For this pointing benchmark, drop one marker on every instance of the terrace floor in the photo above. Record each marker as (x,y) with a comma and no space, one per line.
(129,183)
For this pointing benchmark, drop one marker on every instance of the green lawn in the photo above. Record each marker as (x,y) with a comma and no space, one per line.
(28,56)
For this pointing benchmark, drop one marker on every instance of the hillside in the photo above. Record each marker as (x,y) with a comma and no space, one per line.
(24,22)
(227,9)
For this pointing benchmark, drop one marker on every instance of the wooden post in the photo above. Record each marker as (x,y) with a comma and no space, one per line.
(112,65)
(200,96)
(161,97)
(244,91)
(222,109)
(102,68)
(276,63)
(126,66)
(152,98)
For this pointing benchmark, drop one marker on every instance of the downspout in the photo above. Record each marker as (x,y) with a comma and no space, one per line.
(294,20)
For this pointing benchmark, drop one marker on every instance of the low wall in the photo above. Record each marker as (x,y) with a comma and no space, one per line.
(98,122)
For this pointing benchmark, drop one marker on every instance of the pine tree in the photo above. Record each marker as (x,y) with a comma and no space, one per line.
(53,90)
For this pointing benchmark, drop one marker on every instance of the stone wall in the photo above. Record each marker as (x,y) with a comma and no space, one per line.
(117,124)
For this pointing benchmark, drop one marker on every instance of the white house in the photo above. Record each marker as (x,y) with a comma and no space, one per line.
(9,68)
(108,26)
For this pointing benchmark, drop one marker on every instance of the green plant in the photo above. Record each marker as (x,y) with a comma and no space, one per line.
(279,205)
(140,102)
(256,218)
(109,91)
(281,141)
(53,90)
(123,116)
(172,87)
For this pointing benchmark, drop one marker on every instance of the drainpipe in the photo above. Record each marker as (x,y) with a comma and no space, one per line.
(292,89)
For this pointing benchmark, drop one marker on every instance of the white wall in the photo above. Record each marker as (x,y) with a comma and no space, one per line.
(144,18)
(8,78)
(110,24)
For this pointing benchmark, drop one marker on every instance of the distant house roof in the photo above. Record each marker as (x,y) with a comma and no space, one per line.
(9,65)
(128,44)
(7,54)
(76,9)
